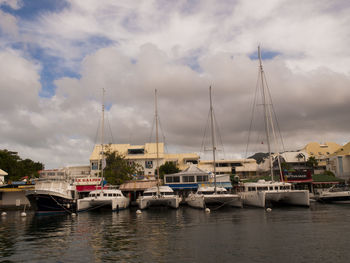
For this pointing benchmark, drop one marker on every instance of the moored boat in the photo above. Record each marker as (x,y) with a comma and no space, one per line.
(265,193)
(103,198)
(53,195)
(159,196)
(207,196)
(335,194)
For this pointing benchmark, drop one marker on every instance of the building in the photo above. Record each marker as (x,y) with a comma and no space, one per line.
(2,177)
(339,162)
(241,167)
(143,155)
(321,153)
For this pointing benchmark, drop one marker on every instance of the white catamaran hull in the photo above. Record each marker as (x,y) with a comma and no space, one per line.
(201,201)
(94,203)
(263,198)
(149,201)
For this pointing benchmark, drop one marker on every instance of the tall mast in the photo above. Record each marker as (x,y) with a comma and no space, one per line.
(266,118)
(212,138)
(102,130)
(156,117)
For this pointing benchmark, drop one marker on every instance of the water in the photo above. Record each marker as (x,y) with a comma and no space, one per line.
(318,234)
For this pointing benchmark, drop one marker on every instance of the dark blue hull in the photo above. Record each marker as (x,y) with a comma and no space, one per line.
(51,204)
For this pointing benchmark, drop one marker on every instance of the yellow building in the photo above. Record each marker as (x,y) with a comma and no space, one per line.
(321,152)
(339,162)
(143,155)
(241,167)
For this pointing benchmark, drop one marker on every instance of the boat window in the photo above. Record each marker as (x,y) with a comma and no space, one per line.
(271,187)
(167,193)
(110,194)
(147,194)
(250,188)
(276,187)
(97,194)
(104,194)
(114,194)
(263,188)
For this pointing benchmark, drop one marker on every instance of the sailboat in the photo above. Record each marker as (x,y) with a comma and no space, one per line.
(213,195)
(264,193)
(158,195)
(102,197)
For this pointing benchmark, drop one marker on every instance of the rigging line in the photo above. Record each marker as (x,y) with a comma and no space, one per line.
(253,110)
(205,133)
(218,132)
(275,115)
(150,137)
(110,129)
(163,135)
(98,128)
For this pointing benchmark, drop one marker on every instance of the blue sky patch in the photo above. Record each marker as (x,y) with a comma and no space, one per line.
(30,9)
(264,54)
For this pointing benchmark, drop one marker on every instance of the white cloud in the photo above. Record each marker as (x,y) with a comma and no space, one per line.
(150,45)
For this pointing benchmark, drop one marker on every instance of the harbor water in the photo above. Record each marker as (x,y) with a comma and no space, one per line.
(320,233)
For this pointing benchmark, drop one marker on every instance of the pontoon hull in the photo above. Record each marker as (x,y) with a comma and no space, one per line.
(151,201)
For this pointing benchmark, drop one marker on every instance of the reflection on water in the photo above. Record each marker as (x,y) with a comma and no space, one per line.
(318,234)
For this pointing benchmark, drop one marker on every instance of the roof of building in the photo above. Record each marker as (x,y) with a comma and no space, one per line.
(316,149)
(192,170)
(2,172)
(343,150)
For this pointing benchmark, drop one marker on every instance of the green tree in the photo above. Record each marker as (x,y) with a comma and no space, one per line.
(119,170)
(18,168)
(168,168)
(312,162)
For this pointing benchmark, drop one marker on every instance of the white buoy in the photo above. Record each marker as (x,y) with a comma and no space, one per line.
(73,214)
(3,213)
(138,212)
(268,209)
(207,210)
(23,214)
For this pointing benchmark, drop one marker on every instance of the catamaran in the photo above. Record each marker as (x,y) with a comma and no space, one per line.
(110,197)
(158,195)
(213,195)
(264,193)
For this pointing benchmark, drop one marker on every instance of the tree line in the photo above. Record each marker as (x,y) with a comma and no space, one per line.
(18,168)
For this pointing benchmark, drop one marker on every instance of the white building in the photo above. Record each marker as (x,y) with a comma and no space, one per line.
(2,177)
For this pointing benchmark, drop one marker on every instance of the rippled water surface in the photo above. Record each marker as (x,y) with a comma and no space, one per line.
(318,234)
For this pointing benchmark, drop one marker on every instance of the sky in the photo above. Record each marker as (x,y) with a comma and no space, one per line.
(57,56)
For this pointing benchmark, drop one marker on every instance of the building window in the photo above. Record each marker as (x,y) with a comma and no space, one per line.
(188,179)
(173,179)
(94,165)
(202,178)
(136,151)
(169,179)
(149,164)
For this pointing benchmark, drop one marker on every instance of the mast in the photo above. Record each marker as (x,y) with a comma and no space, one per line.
(212,138)
(266,111)
(102,131)
(156,117)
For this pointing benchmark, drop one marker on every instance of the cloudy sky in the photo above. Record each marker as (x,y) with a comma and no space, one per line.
(57,56)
